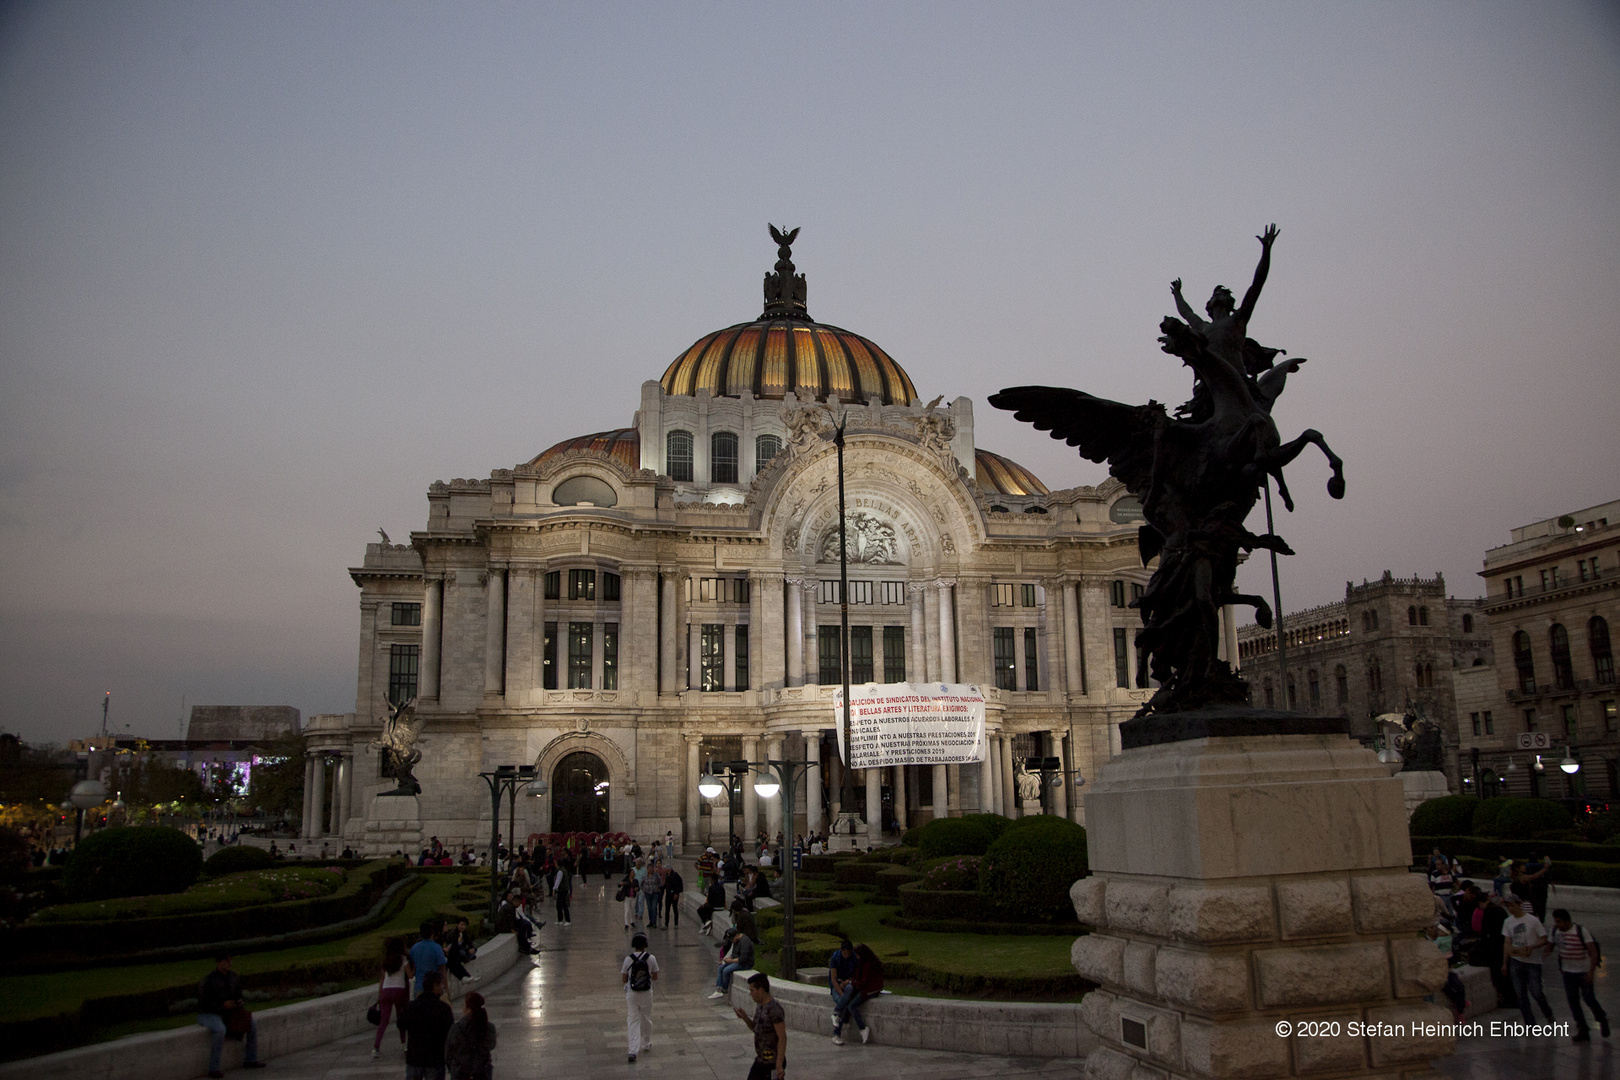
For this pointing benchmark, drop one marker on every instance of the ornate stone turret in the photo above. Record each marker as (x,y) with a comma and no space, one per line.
(784,290)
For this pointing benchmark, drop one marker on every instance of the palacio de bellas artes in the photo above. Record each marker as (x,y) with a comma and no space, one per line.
(628,605)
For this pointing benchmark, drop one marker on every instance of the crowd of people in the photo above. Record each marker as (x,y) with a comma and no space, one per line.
(1504,931)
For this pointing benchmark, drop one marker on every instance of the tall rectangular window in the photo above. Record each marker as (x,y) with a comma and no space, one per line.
(894,592)
(827,593)
(723,457)
(1611,719)
(610,656)
(548,658)
(579,656)
(1474,718)
(740,637)
(1026,595)
(765,448)
(1136,591)
(1122,659)
(582,584)
(894,654)
(1032,650)
(610,586)
(1571,727)
(712,657)
(1001,594)
(553,585)
(860,654)
(1490,723)
(402,666)
(678,456)
(1116,593)
(832,670)
(739,590)
(860,592)
(1529,719)
(1002,645)
(407,615)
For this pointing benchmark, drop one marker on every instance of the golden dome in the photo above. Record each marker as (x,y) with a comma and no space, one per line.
(623,445)
(771,358)
(785,350)
(999,475)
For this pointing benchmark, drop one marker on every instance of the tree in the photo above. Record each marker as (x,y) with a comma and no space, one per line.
(277,785)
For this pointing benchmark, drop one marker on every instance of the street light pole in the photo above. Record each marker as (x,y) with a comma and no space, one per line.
(787,774)
(848,797)
(504,779)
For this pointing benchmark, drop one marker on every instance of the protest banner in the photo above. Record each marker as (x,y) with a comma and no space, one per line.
(911,724)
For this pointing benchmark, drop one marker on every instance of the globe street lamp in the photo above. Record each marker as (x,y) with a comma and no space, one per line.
(85,795)
(711,785)
(504,779)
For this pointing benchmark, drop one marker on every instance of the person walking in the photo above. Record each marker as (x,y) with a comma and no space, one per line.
(627,893)
(562,887)
(470,1045)
(427,956)
(1578,955)
(220,1009)
(640,871)
(673,887)
(1525,938)
(428,1020)
(652,891)
(393,991)
(769,1025)
(638,972)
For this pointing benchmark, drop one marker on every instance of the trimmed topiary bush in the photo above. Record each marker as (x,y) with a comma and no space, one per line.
(909,837)
(1028,871)
(232,860)
(142,860)
(1527,818)
(1035,821)
(996,823)
(954,836)
(953,875)
(1449,815)
(891,878)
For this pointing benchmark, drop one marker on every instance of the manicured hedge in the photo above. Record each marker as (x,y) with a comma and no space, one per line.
(816,865)
(1484,848)
(920,903)
(967,984)
(1598,875)
(67,940)
(954,836)
(1030,869)
(856,872)
(234,859)
(891,878)
(963,926)
(1449,815)
(996,823)
(1522,819)
(136,860)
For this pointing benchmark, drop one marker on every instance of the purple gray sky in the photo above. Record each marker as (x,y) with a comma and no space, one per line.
(267,270)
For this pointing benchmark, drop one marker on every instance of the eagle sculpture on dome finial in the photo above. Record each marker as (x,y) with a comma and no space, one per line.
(781,240)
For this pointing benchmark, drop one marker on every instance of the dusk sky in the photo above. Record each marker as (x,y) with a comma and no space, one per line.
(268,270)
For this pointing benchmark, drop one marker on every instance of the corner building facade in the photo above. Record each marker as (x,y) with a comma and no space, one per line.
(628,605)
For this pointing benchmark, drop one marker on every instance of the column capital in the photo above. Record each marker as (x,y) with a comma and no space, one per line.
(943,583)
(917,588)
(693,737)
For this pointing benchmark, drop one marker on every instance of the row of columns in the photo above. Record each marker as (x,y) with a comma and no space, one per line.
(319,818)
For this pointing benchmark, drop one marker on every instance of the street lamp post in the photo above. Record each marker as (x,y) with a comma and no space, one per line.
(780,779)
(504,780)
(734,773)
(1053,773)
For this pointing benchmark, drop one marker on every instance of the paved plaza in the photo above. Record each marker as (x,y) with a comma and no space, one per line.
(562,1014)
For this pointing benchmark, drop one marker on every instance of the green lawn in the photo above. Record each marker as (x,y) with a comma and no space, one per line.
(24,997)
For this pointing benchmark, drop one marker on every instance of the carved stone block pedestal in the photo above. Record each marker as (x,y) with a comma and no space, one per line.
(1242,882)
(394,824)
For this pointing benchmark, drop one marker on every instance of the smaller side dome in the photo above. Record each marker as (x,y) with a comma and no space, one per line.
(623,445)
(997,475)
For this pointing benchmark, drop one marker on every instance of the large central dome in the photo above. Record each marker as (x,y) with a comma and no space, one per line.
(785,350)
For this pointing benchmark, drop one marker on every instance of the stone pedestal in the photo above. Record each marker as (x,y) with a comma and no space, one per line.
(394,823)
(1245,882)
(1422,786)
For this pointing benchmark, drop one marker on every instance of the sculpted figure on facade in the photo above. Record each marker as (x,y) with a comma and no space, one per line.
(871,540)
(805,425)
(398,740)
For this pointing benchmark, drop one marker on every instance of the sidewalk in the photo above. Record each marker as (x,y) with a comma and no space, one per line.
(562,1014)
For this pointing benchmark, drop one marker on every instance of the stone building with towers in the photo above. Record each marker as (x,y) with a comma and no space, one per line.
(627,605)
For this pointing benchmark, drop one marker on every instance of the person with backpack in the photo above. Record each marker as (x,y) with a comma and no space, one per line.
(1579,956)
(638,972)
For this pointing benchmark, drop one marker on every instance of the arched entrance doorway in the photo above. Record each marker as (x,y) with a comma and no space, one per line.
(579,794)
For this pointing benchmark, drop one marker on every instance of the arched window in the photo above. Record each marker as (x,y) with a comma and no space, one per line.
(1563,672)
(765,448)
(1468,624)
(1423,616)
(1523,661)
(1597,636)
(1375,678)
(1411,616)
(723,457)
(678,455)
(1292,699)
(1314,681)
(1417,674)
(1374,614)
(1341,683)
(1271,695)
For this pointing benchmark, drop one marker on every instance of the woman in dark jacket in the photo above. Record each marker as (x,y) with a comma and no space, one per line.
(468,1047)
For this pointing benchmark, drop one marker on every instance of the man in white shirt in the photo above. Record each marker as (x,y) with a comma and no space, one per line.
(1576,952)
(1524,940)
(639,971)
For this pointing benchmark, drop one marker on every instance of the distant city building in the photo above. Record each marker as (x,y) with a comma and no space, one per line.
(263,722)
(1391,645)
(1553,597)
